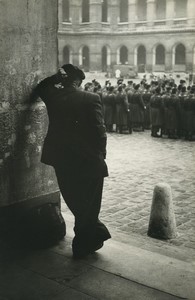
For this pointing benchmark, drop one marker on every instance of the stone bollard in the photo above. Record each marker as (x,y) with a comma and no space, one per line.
(162,223)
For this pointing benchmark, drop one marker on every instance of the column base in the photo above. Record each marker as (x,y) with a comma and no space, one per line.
(34,223)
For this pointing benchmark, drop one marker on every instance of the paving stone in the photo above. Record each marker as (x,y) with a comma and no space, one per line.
(136,164)
(17,283)
(53,266)
(71,294)
(98,285)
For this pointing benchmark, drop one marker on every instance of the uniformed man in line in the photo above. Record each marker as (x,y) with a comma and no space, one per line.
(137,108)
(122,110)
(173,115)
(146,95)
(156,104)
(109,103)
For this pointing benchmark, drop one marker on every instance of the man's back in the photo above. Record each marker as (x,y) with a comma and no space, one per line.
(76,130)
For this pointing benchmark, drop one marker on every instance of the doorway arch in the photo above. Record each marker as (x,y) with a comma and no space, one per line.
(141,58)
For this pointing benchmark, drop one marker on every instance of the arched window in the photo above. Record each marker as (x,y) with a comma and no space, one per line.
(85,58)
(66,11)
(104,11)
(180,55)
(123,55)
(66,55)
(141,10)
(123,10)
(160,9)
(85,11)
(141,58)
(180,8)
(160,55)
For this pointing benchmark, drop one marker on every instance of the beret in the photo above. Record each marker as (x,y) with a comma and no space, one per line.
(73,72)
(137,86)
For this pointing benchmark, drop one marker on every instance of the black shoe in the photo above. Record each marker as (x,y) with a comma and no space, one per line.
(82,253)
(97,247)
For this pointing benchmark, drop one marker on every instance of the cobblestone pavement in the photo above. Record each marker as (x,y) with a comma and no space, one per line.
(136,164)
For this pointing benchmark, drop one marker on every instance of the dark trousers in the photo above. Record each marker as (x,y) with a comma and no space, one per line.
(83,197)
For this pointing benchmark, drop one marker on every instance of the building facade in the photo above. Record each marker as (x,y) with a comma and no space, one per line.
(150,35)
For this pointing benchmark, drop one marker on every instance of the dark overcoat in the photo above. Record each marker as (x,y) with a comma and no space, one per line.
(172,113)
(156,105)
(137,108)
(121,109)
(76,137)
(147,114)
(109,108)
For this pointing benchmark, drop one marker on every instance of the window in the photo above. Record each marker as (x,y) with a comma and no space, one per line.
(123,10)
(85,11)
(160,9)
(65,11)
(160,55)
(180,55)
(180,8)
(141,10)
(104,11)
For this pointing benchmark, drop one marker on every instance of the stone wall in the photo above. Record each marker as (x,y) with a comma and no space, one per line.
(28,53)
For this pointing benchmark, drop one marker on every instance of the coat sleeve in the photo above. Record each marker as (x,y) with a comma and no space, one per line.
(42,90)
(97,124)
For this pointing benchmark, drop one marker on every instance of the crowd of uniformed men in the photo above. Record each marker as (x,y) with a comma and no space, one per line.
(162,106)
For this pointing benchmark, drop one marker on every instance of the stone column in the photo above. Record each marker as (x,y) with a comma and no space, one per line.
(169,61)
(170,12)
(75,59)
(28,54)
(132,13)
(149,61)
(60,49)
(131,58)
(113,13)
(96,14)
(95,61)
(193,64)
(75,13)
(191,12)
(189,61)
(95,54)
(151,12)
(113,57)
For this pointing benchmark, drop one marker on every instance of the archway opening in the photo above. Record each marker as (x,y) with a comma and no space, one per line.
(160,55)
(141,58)
(123,55)
(180,55)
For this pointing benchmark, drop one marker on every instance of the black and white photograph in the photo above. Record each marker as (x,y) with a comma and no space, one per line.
(97,149)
